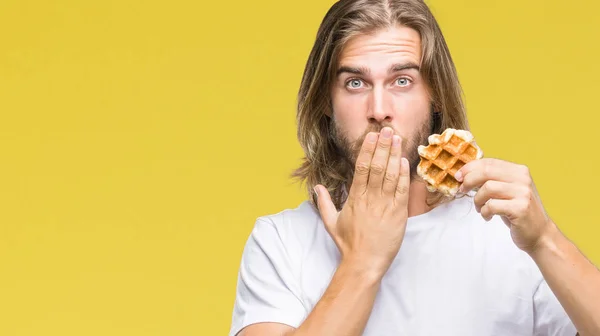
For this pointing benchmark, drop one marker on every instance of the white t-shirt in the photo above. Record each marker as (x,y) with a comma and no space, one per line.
(455,274)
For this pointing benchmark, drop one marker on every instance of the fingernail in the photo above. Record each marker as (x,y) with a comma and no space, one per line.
(458,176)
(372,137)
(404,164)
(387,133)
(316,190)
(396,141)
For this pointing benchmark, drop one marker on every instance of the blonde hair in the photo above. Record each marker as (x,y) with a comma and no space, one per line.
(324,163)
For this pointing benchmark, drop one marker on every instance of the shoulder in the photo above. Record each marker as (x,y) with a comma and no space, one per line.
(289,224)
(289,231)
(268,287)
(304,212)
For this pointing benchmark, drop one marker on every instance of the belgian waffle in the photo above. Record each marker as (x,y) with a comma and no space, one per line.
(444,156)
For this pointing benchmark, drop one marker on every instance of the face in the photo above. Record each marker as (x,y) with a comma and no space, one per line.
(378,84)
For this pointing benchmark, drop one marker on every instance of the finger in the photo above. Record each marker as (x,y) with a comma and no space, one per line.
(380,161)
(362,166)
(390,181)
(475,173)
(495,190)
(401,196)
(499,207)
(326,207)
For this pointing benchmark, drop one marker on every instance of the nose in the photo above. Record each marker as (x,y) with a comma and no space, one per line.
(380,107)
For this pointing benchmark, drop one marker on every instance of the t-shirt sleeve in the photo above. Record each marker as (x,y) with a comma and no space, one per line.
(266,288)
(550,318)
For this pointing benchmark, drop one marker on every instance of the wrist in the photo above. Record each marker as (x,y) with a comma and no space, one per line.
(548,241)
(368,273)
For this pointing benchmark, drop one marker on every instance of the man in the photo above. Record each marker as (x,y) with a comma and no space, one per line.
(373,252)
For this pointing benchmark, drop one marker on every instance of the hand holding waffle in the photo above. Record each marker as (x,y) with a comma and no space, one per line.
(453,164)
(507,189)
(370,228)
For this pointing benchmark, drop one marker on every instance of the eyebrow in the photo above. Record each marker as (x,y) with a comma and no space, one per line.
(365,71)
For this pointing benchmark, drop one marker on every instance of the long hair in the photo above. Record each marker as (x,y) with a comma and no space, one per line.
(324,163)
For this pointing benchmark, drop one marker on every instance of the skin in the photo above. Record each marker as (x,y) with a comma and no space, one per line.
(507,190)
(379,85)
(387,112)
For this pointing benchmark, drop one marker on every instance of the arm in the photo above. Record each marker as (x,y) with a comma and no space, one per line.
(573,279)
(368,232)
(343,310)
(507,190)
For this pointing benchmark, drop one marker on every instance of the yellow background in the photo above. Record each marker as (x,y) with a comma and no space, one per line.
(139,141)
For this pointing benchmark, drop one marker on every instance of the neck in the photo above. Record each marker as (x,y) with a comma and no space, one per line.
(417,199)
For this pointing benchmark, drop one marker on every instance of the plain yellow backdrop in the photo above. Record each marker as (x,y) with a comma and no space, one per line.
(140,140)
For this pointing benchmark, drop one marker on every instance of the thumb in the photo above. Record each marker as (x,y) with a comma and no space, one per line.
(327,209)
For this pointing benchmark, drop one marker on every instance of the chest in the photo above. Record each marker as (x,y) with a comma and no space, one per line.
(457,292)
(450,304)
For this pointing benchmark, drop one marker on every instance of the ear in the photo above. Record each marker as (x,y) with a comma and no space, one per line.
(436,120)
(329,111)
(435,108)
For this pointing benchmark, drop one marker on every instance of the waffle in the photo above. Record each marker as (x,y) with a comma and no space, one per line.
(444,156)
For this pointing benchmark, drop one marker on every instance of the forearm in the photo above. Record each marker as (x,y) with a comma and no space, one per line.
(346,305)
(573,279)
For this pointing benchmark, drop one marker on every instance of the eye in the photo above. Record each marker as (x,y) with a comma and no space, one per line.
(354,84)
(403,81)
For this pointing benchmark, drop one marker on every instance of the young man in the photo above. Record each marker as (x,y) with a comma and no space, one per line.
(373,252)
